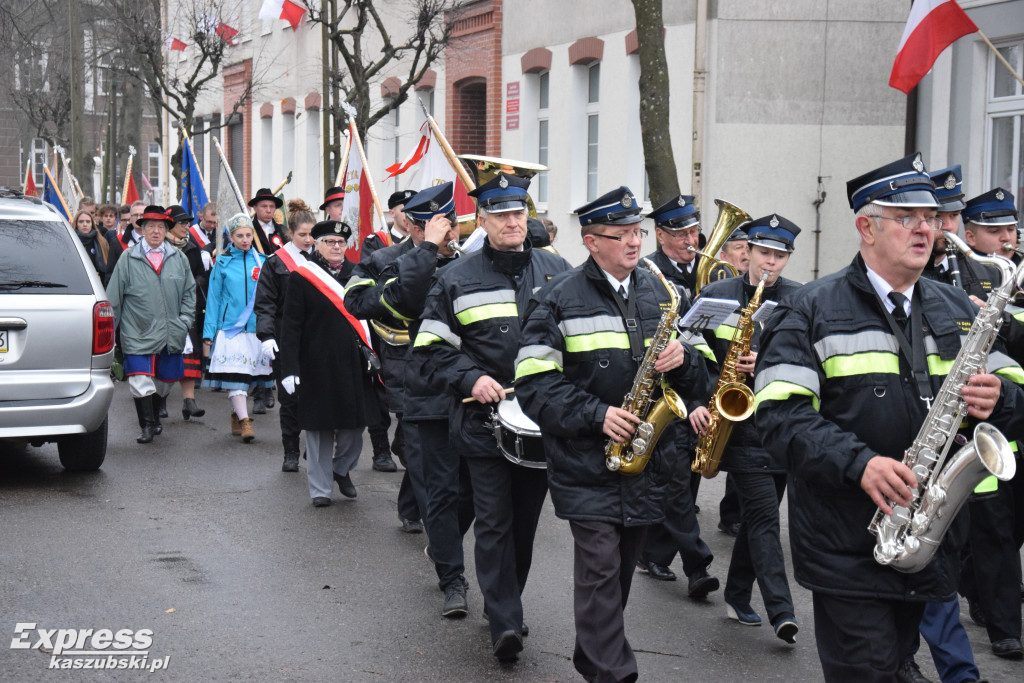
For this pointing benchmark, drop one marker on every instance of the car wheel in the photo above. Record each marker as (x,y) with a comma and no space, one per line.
(83,452)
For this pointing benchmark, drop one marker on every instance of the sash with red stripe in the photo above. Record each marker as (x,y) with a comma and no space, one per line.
(290,260)
(384,237)
(335,293)
(199,236)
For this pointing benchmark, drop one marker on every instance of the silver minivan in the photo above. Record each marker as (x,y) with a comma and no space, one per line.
(56,335)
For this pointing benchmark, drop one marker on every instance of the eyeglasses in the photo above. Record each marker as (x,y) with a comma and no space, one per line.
(331,244)
(642,232)
(911,222)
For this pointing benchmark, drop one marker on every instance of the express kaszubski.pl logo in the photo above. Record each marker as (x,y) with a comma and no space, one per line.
(87,648)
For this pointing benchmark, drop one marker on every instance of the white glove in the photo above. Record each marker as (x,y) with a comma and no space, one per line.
(289,383)
(206,259)
(270,349)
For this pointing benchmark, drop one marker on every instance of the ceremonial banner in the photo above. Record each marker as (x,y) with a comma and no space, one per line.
(432,168)
(52,195)
(131,193)
(933,26)
(357,210)
(29,186)
(193,190)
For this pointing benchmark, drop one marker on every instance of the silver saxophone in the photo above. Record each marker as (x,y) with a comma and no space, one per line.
(907,539)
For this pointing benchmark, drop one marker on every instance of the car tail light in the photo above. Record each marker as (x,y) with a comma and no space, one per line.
(102,328)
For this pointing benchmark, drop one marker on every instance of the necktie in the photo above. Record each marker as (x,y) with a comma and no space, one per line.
(899,313)
(156,257)
(622,292)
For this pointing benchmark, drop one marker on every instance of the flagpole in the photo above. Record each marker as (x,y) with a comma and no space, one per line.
(234,186)
(449,153)
(369,178)
(339,180)
(1001,58)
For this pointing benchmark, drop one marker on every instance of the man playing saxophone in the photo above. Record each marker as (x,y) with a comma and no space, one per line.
(843,385)
(581,348)
(760,481)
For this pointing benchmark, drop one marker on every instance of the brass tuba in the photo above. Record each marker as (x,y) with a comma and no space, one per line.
(732,400)
(730,217)
(486,169)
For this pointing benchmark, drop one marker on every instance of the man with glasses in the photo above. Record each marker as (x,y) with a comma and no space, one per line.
(132,234)
(847,371)
(468,342)
(581,348)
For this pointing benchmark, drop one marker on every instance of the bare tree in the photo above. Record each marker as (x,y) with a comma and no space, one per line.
(654,101)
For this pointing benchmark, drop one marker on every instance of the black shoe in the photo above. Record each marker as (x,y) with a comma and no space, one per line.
(786,629)
(974,609)
(384,463)
(190,409)
(1008,648)
(508,646)
(345,485)
(291,462)
(268,397)
(161,406)
(147,420)
(660,572)
(910,673)
(732,529)
(411,526)
(258,406)
(321,502)
(701,583)
(455,605)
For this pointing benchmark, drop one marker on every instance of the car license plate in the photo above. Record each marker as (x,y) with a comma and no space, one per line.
(3,340)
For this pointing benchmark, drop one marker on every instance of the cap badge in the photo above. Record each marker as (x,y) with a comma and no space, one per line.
(434,206)
(337,228)
(503,182)
(1000,195)
(627,200)
(681,202)
(774,222)
(950,182)
(918,164)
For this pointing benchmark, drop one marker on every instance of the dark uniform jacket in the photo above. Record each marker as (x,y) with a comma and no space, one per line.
(275,241)
(471,327)
(391,287)
(686,281)
(271,292)
(374,243)
(321,348)
(744,452)
(830,396)
(573,364)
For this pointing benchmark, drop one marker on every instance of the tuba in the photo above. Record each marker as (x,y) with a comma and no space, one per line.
(631,456)
(907,539)
(486,169)
(732,400)
(730,217)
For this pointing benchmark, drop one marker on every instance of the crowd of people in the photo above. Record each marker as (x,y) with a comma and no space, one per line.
(510,373)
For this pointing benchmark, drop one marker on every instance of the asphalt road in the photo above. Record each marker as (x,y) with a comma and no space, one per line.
(204,541)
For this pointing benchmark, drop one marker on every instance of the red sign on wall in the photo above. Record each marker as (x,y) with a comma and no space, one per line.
(512,122)
(512,89)
(512,106)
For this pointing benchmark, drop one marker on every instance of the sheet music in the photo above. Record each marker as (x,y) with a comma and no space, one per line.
(762,314)
(708,313)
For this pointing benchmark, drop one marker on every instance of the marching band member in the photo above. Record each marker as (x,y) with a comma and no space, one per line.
(327,361)
(271,292)
(736,253)
(470,335)
(580,351)
(842,392)
(761,482)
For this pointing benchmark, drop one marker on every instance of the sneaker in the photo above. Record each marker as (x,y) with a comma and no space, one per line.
(455,606)
(744,614)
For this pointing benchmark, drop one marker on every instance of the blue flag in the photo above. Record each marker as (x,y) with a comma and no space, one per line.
(52,195)
(193,193)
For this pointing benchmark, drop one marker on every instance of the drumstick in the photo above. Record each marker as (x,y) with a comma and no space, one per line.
(510,390)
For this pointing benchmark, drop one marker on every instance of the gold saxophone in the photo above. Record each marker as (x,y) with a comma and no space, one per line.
(632,455)
(732,400)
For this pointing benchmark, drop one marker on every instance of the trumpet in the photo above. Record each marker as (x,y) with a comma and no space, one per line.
(1009,246)
(453,245)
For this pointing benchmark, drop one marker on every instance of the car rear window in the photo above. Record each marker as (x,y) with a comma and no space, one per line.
(40,257)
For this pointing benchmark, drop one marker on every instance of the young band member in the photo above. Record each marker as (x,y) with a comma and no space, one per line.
(847,369)
(470,335)
(580,352)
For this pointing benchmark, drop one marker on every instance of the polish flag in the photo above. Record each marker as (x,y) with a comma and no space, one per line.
(132,195)
(933,26)
(30,182)
(432,168)
(283,9)
(414,158)
(176,44)
(358,207)
(226,33)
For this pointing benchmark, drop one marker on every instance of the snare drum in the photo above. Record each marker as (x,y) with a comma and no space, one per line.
(518,436)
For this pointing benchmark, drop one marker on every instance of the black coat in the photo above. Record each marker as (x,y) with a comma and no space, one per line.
(743,452)
(685,281)
(831,396)
(319,346)
(269,247)
(271,292)
(571,367)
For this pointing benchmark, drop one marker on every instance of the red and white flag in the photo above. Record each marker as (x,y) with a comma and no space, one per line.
(172,43)
(432,168)
(283,9)
(226,33)
(933,26)
(29,186)
(357,209)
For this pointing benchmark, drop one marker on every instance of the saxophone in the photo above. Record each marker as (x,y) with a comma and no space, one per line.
(632,455)
(732,400)
(908,539)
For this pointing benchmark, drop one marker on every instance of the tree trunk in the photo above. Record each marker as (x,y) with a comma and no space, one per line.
(80,165)
(654,102)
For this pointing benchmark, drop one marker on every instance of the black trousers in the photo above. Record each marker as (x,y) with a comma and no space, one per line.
(863,640)
(604,556)
(993,572)
(412,497)
(757,552)
(728,507)
(288,414)
(680,532)
(507,500)
(448,493)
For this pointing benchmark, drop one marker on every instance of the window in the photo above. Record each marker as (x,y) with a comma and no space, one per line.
(543,84)
(542,159)
(38,160)
(287,145)
(427,98)
(594,83)
(592,157)
(267,148)
(153,170)
(1005,123)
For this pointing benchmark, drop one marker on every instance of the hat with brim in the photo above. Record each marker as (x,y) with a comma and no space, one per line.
(772,232)
(949,189)
(178,214)
(618,207)
(438,199)
(264,194)
(400,198)
(331,229)
(678,213)
(738,235)
(155,212)
(995,207)
(332,195)
(903,183)
(502,193)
